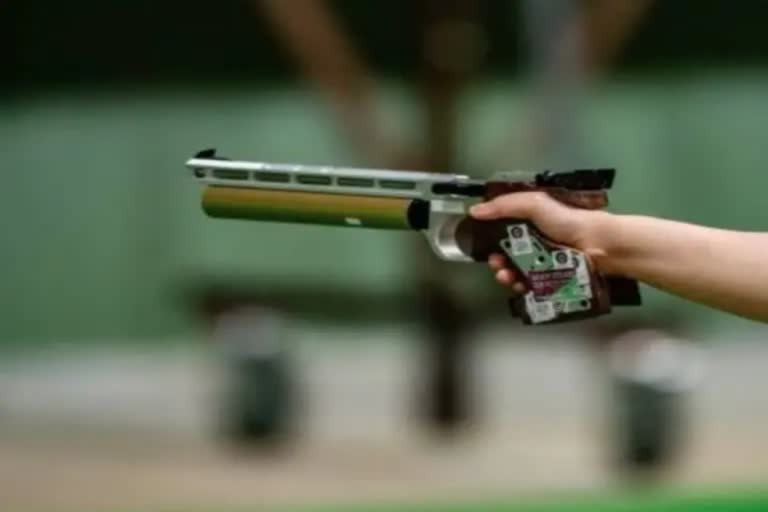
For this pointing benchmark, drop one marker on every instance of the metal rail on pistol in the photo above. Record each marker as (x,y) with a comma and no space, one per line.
(561,283)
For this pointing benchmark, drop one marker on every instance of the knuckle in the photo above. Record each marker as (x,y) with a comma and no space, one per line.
(538,202)
(506,205)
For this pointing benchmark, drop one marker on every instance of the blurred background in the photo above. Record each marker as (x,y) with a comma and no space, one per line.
(153,358)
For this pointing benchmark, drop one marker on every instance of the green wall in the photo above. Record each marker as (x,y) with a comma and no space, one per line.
(102,231)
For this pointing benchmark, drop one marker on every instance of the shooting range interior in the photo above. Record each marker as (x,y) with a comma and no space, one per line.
(153,358)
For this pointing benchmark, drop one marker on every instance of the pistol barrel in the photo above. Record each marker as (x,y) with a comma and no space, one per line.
(314,208)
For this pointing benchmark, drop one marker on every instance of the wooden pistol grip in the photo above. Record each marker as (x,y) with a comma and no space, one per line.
(481,239)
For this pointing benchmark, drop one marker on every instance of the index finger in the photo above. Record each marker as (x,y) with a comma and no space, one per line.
(518,205)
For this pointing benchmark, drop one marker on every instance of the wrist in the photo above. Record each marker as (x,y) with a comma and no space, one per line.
(602,241)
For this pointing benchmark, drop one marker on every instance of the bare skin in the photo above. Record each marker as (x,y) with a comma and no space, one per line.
(724,269)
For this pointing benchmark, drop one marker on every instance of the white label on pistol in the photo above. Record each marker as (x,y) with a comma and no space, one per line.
(519,239)
(580,263)
(539,311)
(562,260)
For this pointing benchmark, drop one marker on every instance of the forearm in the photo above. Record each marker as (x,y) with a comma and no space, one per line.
(723,269)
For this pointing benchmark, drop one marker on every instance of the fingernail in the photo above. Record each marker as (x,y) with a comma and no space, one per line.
(479,209)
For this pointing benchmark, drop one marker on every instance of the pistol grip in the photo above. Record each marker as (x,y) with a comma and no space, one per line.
(560,282)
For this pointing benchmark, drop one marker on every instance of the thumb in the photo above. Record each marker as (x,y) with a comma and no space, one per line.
(521,205)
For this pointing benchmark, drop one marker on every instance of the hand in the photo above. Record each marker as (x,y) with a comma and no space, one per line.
(573,227)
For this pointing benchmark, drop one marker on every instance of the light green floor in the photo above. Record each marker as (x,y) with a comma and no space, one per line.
(741,501)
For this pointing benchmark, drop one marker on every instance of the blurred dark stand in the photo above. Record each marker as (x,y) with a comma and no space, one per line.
(452,50)
(651,369)
(257,400)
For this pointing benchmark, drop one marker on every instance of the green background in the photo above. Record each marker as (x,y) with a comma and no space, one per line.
(103,236)
(102,103)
